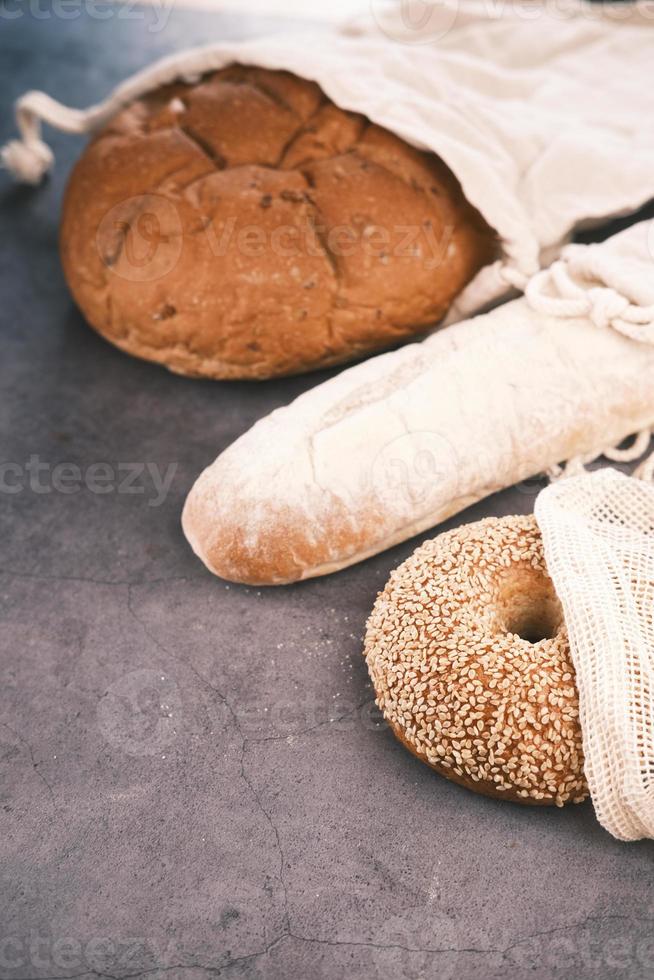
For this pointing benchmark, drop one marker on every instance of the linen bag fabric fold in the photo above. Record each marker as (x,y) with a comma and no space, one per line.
(541,111)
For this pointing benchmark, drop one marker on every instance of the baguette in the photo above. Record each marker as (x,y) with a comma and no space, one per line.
(399,443)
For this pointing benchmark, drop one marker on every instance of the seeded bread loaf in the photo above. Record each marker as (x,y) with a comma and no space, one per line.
(470,660)
(246,227)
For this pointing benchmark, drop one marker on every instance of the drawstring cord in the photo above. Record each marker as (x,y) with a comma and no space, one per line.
(575,286)
(29,158)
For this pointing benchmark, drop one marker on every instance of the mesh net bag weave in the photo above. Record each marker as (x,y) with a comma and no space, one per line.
(598,536)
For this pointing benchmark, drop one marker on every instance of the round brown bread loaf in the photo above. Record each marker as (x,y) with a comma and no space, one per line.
(245,227)
(469,656)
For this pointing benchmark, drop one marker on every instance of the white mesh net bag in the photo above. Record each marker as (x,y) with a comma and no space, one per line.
(598,535)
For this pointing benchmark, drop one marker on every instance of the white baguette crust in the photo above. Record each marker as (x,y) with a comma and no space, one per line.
(401,442)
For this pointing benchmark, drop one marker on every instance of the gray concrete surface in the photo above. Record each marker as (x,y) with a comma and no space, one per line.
(194,779)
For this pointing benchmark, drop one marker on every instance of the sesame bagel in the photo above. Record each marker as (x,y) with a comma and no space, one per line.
(469,657)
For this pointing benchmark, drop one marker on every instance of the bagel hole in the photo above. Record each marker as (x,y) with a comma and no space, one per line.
(534,625)
(529,606)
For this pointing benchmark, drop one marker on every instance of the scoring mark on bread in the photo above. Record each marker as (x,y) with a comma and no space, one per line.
(415,365)
(204,146)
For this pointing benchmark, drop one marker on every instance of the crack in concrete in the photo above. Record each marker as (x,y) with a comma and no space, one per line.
(288,934)
(575,926)
(238,728)
(35,764)
(205,967)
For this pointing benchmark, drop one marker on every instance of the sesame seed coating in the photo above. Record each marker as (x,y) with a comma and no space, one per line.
(470,661)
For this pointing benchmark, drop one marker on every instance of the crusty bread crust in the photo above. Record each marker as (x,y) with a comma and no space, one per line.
(401,442)
(482,788)
(470,660)
(246,227)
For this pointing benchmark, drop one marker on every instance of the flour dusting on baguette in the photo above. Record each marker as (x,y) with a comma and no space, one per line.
(482,405)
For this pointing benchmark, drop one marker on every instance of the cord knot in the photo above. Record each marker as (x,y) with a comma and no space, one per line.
(605,306)
(577,285)
(28,161)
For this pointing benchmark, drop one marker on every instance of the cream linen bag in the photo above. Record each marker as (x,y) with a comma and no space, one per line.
(542,111)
